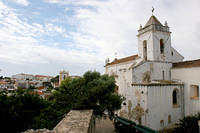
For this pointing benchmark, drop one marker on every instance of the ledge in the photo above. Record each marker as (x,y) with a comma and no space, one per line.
(194,98)
(176,106)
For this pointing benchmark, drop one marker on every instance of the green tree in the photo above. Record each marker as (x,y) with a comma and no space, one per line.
(55,79)
(18,111)
(92,91)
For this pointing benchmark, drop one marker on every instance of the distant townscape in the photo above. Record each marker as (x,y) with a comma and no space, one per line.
(42,85)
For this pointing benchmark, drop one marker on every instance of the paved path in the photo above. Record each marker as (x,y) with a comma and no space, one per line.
(104,125)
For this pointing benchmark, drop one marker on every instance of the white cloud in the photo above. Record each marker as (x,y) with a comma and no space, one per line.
(20,43)
(111,26)
(103,27)
(22,2)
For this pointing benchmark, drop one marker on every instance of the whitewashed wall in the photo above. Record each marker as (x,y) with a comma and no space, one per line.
(123,74)
(176,57)
(155,105)
(154,69)
(190,76)
(148,37)
(160,106)
(135,96)
(157,35)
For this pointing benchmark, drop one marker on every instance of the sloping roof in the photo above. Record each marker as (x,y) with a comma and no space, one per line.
(122,60)
(187,64)
(153,20)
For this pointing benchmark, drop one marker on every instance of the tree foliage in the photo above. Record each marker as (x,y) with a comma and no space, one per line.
(92,91)
(18,110)
(188,124)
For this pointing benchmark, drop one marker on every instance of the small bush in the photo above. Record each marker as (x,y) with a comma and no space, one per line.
(188,124)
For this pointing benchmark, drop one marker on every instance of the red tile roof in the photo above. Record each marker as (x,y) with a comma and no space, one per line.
(39,93)
(187,64)
(41,76)
(126,59)
(3,82)
(41,87)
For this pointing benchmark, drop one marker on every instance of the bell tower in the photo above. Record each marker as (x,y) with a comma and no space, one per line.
(154,41)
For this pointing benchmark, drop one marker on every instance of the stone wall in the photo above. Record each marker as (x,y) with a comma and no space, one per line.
(76,121)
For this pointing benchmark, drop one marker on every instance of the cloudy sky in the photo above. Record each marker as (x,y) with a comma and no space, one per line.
(46,36)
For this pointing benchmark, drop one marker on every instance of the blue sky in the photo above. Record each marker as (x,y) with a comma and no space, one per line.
(46,36)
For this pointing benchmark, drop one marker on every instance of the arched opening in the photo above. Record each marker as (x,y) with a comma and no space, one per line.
(145,50)
(174,99)
(162,46)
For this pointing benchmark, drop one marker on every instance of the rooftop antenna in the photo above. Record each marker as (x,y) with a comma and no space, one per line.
(152,10)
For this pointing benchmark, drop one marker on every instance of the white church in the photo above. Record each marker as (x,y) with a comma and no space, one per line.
(160,88)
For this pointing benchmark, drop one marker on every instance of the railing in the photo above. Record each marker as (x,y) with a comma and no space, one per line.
(123,125)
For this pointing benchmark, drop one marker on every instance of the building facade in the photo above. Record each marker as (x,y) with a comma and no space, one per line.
(158,85)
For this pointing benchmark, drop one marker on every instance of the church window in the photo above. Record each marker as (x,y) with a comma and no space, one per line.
(145,49)
(194,91)
(161,46)
(175,97)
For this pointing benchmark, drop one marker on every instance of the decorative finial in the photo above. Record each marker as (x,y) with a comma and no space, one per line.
(115,55)
(140,27)
(166,24)
(107,61)
(152,10)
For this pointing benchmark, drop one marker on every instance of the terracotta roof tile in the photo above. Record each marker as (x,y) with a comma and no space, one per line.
(41,87)
(41,76)
(126,59)
(187,64)
(3,82)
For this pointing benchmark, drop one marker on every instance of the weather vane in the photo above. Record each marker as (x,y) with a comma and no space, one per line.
(152,10)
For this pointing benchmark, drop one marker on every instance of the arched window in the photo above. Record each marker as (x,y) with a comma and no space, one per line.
(145,49)
(174,99)
(162,46)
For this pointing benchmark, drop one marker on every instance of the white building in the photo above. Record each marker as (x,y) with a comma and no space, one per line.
(23,76)
(158,86)
(43,78)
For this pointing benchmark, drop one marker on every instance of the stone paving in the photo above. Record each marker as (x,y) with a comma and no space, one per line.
(104,125)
